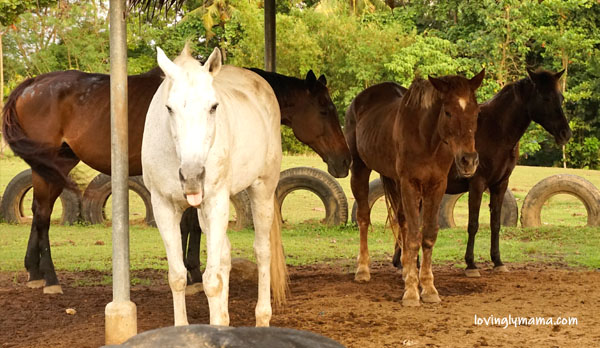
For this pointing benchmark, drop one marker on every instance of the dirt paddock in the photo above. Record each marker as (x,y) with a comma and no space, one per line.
(325,300)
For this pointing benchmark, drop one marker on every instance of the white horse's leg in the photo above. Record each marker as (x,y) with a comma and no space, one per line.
(214,219)
(262,213)
(224,272)
(167,219)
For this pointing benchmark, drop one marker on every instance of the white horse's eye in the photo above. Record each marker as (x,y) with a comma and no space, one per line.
(213,109)
(169,109)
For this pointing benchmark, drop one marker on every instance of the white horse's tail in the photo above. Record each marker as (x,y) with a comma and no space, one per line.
(279,273)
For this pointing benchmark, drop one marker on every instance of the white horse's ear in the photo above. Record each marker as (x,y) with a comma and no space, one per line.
(213,63)
(168,67)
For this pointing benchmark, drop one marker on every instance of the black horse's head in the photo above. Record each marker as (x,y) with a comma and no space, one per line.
(545,104)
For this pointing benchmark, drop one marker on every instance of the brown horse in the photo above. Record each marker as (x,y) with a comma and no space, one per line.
(412,142)
(55,120)
(502,122)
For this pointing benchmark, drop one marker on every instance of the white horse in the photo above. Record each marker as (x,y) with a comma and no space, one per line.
(211,132)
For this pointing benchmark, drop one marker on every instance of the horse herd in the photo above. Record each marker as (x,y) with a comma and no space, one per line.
(201,133)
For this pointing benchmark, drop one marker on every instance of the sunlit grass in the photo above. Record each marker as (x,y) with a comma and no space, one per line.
(89,247)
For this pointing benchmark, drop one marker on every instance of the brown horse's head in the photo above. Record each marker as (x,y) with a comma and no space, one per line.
(457,121)
(545,105)
(316,124)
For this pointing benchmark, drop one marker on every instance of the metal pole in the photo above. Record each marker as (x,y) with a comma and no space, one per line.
(121,316)
(2,140)
(270,35)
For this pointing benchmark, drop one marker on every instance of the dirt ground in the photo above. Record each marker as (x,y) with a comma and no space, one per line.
(325,300)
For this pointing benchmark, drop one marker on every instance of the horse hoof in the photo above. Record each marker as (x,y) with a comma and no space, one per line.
(35,284)
(472,273)
(362,277)
(431,298)
(501,269)
(409,302)
(53,289)
(193,289)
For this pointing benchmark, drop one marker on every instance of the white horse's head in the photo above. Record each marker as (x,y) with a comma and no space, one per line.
(191,105)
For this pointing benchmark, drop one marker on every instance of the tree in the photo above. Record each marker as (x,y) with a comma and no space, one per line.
(567,37)
(355,43)
(9,12)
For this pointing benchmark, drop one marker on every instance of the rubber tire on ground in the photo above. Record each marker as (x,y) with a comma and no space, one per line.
(243,210)
(509,216)
(320,183)
(12,201)
(557,184)
(510,209)
(375,192)
(99,189)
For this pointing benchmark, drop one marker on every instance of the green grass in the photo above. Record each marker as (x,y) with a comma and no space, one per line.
(563,240)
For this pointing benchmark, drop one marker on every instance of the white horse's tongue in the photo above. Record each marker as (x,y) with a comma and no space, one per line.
(195,199)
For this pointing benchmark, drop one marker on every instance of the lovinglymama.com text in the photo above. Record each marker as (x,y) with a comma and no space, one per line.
(505,322)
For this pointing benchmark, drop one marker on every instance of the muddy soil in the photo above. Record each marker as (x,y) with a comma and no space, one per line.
(326,300)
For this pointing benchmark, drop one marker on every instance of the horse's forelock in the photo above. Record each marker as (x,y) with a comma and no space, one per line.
(192,69)
(423,94)
(546,79)
(187,62)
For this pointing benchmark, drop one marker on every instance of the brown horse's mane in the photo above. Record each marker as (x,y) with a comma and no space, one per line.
(421,94)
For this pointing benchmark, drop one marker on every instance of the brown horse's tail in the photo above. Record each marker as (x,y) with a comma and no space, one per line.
(41,158)
(279,274)
(393,203)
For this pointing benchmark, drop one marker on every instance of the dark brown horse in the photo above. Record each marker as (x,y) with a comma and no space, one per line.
(307,108)
(55,120)
(502,122)
(412,142)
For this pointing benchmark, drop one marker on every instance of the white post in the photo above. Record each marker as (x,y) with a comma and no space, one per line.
(121,313)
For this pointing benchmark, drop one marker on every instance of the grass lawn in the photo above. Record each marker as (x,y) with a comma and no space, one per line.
(562,240)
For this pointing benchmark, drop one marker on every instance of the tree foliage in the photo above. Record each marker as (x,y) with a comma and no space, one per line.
(354,43)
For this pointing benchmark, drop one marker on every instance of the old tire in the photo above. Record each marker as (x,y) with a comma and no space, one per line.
(320,183)
(243,210)
(97,192)
(509,216)
(375,192)
(574,185)
(12,201)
